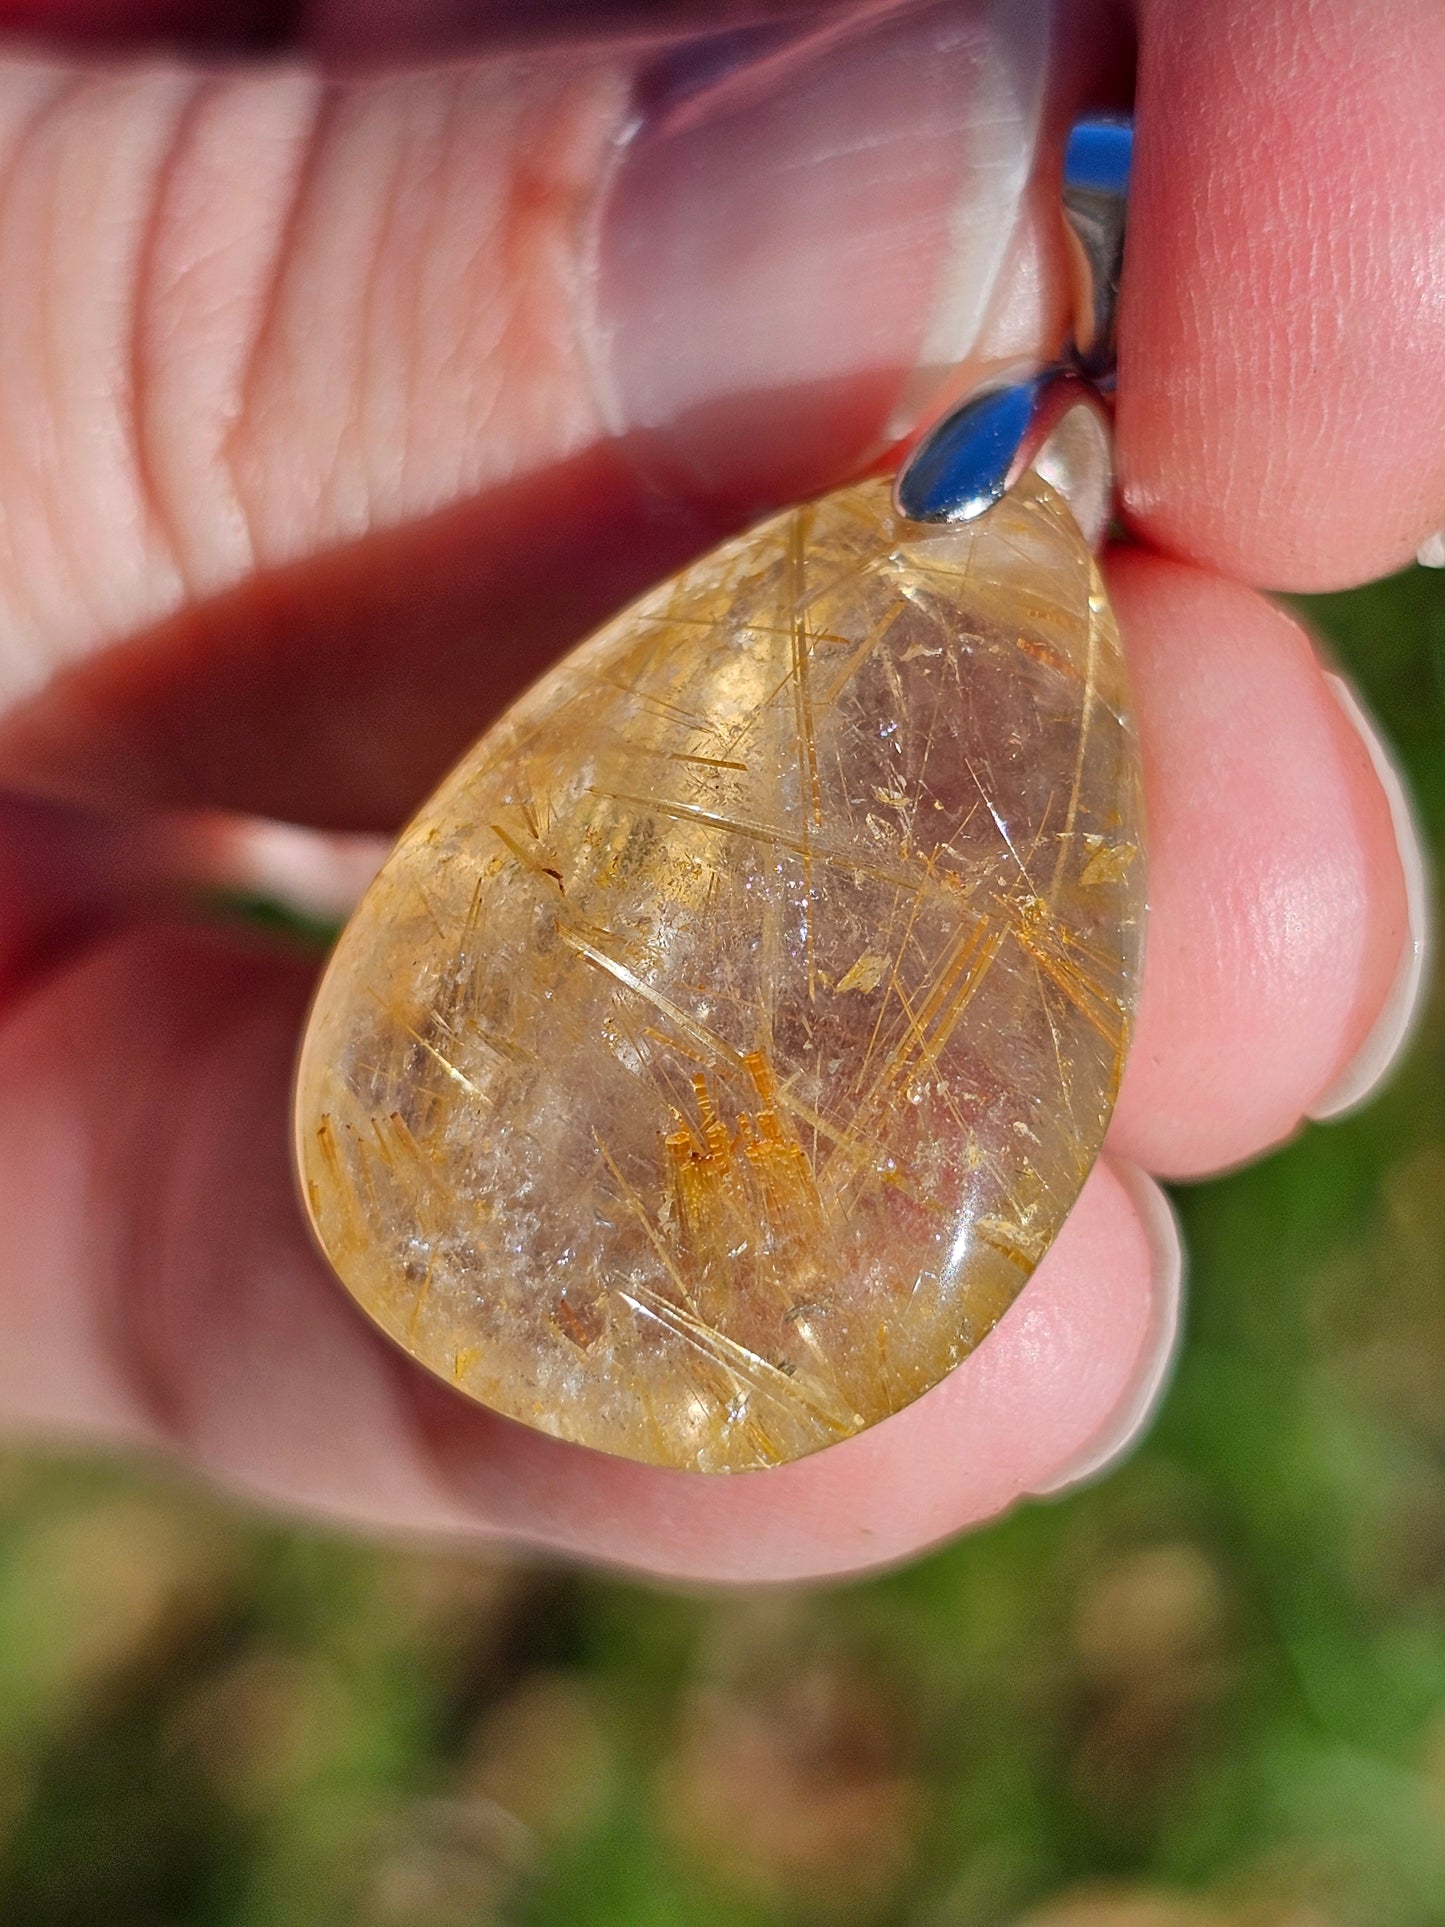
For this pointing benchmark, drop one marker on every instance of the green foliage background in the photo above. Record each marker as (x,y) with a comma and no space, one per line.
(1207,1692)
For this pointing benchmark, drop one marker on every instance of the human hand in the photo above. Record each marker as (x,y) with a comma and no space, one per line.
(331,410)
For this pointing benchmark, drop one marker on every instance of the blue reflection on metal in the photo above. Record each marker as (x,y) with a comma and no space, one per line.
(961,467)
(1098,157)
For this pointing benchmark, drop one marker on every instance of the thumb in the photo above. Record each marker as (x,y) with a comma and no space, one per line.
(257,315)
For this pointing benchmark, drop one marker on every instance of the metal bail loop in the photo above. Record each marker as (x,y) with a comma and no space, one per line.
(1053,419)
(1096,190)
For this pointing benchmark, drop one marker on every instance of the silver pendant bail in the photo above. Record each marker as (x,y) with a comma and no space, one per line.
(1096,198)
(1054,419)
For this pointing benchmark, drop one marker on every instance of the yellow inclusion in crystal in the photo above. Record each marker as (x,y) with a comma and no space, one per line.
(724,1043)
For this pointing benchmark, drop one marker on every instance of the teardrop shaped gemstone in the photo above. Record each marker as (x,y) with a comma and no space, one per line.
(722,1046)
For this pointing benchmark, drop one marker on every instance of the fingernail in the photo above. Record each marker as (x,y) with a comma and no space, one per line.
(1155,1364)
(312,872)
(790,233)
(1391,1029)
(1431,552)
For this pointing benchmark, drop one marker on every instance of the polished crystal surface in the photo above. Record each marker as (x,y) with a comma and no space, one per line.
(725,1041)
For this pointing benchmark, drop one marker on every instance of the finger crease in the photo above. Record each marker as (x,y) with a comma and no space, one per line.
(148,470)
(289,231)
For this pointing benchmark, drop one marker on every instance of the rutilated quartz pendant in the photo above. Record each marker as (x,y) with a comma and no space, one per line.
(726,1040)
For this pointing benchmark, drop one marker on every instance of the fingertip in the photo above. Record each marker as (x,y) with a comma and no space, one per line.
(1279,910)
(1281,413)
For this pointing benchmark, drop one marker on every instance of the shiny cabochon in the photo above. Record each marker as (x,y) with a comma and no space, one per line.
(725,1042)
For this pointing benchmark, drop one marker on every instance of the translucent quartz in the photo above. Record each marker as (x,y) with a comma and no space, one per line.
(723,1044)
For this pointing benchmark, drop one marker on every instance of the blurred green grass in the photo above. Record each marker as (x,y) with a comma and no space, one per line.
(1207,1692)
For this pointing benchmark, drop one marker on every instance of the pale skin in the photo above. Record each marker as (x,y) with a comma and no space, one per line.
(306,464)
